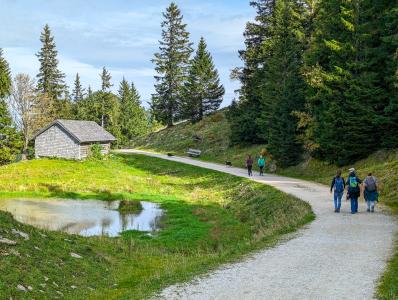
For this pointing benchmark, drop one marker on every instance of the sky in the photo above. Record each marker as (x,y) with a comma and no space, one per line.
(121,35)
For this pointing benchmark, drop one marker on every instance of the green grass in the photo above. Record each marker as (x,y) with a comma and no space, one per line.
(211,218)
(214,131)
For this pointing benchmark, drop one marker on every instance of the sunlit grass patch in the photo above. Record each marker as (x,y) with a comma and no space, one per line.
(210,218)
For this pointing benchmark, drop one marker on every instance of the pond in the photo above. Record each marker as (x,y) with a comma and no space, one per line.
(83,217)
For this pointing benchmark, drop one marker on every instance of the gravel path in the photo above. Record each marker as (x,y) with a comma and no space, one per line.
(338,256)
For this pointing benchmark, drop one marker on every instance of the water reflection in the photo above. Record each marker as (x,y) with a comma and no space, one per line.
(84,217)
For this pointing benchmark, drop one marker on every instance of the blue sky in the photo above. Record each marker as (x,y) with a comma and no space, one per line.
(121,35)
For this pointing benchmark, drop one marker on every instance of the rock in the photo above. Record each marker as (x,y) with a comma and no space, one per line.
(75,255)
(43,285)
(21,288)
(30,288)
(46,278)
(37,248)
(20,233)
(54,283)
(59,293)
(7,241)
(42,235)
(41,291)
(73,287)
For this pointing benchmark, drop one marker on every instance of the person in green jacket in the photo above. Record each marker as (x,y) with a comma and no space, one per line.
(261,165)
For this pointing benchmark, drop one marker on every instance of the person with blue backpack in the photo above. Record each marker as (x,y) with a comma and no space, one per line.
(354,190)
(338,184)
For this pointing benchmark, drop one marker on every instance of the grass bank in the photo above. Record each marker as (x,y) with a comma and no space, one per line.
(211,135)
(211,218)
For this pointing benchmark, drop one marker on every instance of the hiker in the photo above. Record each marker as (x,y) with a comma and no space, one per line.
(370,192)
(249,165)
(353,189)
(338,184)
(261,164)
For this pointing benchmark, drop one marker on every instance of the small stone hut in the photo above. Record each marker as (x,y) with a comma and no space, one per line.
(71,139)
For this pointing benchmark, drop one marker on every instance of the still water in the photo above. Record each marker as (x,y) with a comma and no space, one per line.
(83,217)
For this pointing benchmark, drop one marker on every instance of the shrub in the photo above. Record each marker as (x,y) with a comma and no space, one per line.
(96,152)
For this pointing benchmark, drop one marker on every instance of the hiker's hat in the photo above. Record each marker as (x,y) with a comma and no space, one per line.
(351,170)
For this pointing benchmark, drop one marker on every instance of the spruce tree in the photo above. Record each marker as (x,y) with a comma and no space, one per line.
(172,62)
(5,77)
(133,119)
(249,125)
(381,45)
(203,91)
(105,80)
(89,91)
(50,78)
(10,140)
(105,94)
(78,91)
(283,83)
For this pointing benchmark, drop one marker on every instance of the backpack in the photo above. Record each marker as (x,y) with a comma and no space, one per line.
(338,184)
(370,184)
(261,162)
(353,188)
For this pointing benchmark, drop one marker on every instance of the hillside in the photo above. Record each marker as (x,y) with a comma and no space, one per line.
(211,135)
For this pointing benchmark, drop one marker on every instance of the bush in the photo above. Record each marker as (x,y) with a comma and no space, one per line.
(96,152)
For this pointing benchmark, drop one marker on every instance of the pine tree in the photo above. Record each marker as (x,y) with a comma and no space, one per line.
(105,80)
(10,140)
(380,43)
(105,95)
(283,83)
(50,78)
(344,117)
(101,107)
(247,122)
(5,77)
(203,91)
(78,91)
(133,119)
(172,62)
(89,91)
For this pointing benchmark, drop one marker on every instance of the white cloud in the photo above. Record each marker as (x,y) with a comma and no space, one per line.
(121,37)
(22,60)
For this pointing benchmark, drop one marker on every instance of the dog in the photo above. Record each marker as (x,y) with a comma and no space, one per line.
(228,163)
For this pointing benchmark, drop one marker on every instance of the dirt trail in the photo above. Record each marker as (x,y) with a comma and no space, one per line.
(338,256)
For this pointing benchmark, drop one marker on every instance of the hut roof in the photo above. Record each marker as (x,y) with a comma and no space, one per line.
(82,131)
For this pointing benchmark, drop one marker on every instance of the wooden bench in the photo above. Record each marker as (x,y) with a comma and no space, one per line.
(194,152)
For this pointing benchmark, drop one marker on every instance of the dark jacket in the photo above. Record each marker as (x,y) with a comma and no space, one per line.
(334,181)
(355,192)
(249,162)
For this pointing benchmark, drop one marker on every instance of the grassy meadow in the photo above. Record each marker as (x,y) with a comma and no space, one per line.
(211,218)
